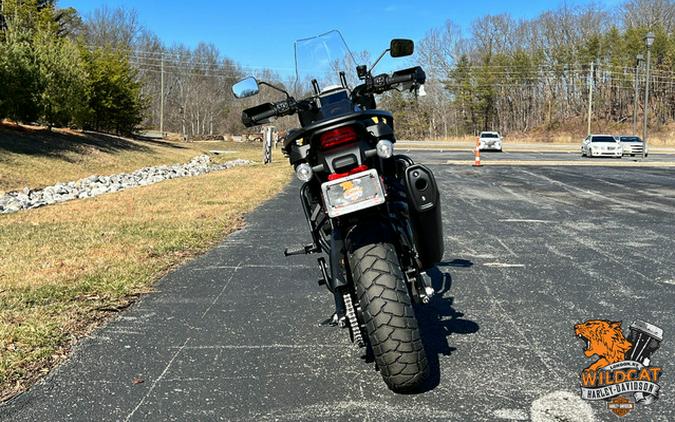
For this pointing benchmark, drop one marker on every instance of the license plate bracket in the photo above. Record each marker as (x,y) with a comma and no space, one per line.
(352,193)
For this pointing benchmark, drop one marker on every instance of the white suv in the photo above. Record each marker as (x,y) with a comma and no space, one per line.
(632,145)
(490,141)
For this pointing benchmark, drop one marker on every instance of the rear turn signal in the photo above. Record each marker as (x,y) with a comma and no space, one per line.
(385,148)
(304,172)
(339,136)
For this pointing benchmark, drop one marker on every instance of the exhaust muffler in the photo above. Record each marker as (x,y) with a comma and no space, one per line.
(424,203)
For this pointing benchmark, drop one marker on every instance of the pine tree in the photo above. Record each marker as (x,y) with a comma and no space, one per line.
(115,101)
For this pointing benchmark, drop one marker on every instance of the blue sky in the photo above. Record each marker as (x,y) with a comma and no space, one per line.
(260,33)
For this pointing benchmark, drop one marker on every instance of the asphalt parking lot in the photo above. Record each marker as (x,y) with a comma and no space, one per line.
(555,158)
(530,251)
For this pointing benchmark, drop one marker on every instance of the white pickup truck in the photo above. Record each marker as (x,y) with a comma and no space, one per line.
(490,141)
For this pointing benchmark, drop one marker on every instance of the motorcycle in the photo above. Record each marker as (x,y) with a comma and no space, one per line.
(374,214)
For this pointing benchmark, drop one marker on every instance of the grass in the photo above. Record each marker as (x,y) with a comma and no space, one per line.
(34,157)
(67,267)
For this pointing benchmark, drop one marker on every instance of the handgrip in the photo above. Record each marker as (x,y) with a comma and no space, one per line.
(384,82)
(414,74)
(264,115)
(399,79)
(255,115)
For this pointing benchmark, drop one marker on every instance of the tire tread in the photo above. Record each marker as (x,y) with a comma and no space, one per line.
(389,317)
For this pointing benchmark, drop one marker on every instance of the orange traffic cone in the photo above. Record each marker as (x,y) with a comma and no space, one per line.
(476,160)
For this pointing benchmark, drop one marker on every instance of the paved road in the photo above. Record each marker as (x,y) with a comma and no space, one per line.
(562,158)
(514,146)
(530,251)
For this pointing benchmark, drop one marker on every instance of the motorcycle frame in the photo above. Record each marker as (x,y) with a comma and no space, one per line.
(337,245)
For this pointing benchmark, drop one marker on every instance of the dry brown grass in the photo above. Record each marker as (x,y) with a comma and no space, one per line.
(62,265)
(573,133)
(34,157)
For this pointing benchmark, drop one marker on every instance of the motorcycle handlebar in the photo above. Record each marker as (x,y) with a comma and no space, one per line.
(400,79)
(414,74)
(374,85)
(264,115)
(258,114)
(384,82)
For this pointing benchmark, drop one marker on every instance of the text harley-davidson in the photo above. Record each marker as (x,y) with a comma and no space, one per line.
(374,214)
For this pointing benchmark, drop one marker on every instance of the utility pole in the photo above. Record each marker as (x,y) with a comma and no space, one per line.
(590,96)
(161,98)
(649,41)
(639,59)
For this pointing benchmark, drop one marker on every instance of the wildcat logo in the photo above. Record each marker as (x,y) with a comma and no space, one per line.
(622,375)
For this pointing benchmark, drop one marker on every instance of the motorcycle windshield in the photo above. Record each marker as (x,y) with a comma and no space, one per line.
(322,58)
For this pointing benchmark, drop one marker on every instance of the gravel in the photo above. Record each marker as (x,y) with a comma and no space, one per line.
(99,185)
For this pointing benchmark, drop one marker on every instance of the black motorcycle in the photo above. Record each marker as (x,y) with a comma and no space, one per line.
(374,214)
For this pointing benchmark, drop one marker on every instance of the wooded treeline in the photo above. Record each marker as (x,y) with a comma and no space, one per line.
(519,75)
(49,75)
(105,72)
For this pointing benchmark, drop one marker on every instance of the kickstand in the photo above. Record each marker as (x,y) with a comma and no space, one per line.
(334,321)
(330,322)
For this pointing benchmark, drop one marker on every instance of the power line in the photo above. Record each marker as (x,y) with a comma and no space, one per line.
(179,58)
(187,57)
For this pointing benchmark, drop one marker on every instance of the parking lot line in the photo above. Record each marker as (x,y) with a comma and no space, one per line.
(602,163)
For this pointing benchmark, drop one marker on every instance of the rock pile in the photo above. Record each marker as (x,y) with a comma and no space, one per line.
(98,185)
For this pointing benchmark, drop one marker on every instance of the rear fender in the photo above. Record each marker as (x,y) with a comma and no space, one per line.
(363,233)
(368,232)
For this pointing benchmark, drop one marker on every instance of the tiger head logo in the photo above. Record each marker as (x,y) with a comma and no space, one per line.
(604,339)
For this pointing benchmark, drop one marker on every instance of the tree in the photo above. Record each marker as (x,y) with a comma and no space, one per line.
(19,77)
(460,84)
(42,76)
(62,79)
(533,74)
(113,28)
(649,14)
(115,102)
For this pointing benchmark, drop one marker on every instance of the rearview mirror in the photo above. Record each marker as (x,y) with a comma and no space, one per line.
(246,87)
(401,47)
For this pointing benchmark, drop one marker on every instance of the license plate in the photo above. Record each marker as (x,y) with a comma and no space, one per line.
(352,193)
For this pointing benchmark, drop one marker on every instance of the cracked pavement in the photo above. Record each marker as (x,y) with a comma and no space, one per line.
(530,251)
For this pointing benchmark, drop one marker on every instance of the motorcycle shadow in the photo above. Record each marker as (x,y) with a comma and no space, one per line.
(439,319)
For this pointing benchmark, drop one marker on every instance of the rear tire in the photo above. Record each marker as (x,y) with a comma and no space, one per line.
(389,317)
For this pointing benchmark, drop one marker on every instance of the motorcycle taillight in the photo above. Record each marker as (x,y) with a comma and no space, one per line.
(339,136)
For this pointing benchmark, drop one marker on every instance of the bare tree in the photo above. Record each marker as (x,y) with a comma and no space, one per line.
(649,14)
(116,28)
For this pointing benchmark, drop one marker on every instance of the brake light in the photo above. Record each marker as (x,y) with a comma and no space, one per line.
(359,169)
(339,136)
